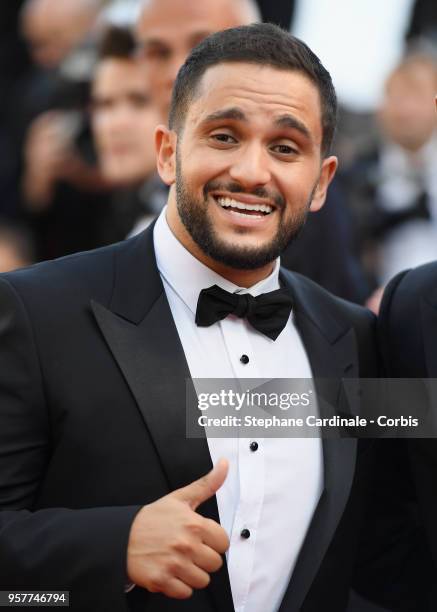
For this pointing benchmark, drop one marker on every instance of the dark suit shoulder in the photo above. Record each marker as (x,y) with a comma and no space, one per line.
(407,297)
(403,295)
(77,277)
(419,282)
(84,266)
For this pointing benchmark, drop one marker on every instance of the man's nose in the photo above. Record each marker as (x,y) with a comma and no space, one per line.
(252,168)
(121,117)
(177,59)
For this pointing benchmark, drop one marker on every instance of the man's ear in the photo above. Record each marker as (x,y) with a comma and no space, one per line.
(327,172)
(165,145)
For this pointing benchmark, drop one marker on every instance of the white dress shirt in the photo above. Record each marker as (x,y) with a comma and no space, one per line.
(274,490)
(402,178)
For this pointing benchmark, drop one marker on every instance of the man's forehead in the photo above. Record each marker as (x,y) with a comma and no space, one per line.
(117,72)
(212,15)
(59,10)
(260,84)
(268,96)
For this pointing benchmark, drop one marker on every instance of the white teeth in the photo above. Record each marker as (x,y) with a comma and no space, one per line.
(228,202)
(234,212)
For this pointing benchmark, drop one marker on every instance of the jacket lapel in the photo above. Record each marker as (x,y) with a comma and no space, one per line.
(141,334)
(428,312)
(332,351)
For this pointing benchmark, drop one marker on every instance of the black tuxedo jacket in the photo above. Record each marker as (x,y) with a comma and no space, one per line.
(408,332)
(92,427)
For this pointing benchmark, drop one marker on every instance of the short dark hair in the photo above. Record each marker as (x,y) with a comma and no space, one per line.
(116,42)
(258,43)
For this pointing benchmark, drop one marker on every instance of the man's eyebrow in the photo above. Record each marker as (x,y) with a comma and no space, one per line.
(236,114)
(233,113)
(150,42)
(288,121)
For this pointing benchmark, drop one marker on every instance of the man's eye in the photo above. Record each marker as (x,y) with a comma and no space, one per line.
(155,53)
(139,101)
(101,105)
(283,149)
(225,138)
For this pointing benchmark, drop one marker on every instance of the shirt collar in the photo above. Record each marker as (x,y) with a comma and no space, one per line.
(188,276)
(397,159)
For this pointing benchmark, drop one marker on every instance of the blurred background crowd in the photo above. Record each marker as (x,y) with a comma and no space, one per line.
(84,82)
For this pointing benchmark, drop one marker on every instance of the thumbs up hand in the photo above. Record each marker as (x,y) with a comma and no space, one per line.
(172,549)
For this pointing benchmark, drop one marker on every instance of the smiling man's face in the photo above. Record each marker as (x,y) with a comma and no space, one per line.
(247,164)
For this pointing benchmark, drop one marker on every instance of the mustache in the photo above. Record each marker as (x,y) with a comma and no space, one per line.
(234,187)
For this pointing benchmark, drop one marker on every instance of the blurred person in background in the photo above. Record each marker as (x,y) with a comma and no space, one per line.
(62,191)
(394,186)
(16,247)
(408,340)
(58,37)
(124,121)
(44,27)
(167,30)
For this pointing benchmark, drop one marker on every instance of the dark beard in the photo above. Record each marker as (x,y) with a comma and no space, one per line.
(193,214)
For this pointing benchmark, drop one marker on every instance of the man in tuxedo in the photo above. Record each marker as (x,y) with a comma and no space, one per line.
(408,337)
(408,331)
(101,491)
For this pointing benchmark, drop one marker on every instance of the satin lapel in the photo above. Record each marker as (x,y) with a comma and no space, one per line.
(332,351)
(142,337)
(428,313)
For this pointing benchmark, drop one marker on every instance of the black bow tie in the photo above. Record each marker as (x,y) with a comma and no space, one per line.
(268,313)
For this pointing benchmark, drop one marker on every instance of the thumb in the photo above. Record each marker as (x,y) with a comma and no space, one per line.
(200,490)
